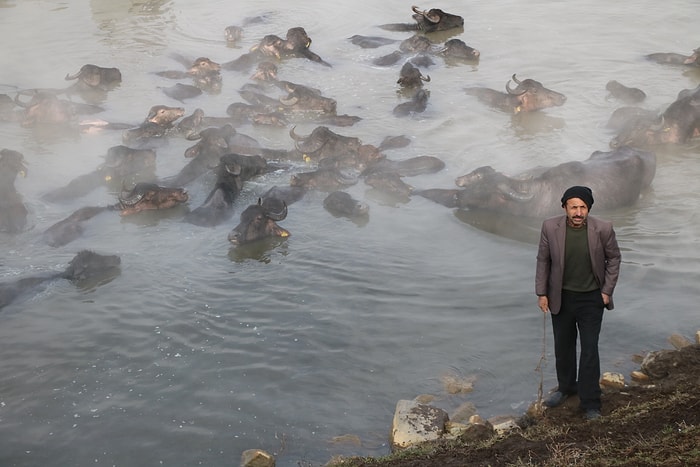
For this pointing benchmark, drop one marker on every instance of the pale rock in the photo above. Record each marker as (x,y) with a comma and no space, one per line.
(479,420)
(697,337)
(679,341)
(612,380)
(503,424)
(257,458)
(415,423)
(639,376)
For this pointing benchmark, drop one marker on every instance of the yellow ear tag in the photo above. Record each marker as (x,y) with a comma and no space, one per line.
(517,109)
(284,234)
(108,178)
(306,158)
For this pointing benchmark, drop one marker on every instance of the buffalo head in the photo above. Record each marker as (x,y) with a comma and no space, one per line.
(259,221)
(531,95)
(436,20)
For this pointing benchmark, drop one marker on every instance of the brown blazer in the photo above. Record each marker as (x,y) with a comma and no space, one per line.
(604,252)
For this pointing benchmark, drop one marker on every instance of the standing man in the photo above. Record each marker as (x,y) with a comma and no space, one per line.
(578,262)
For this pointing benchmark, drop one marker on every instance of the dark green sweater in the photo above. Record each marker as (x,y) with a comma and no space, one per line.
(578,275)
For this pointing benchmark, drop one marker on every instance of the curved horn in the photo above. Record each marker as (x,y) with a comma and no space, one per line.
(508,191)
(516,80)
(425,78)
(295,136)
(77,75)
(658,126)
(514,92)
(24,105)
(279,215)
(130,198)
(289,101)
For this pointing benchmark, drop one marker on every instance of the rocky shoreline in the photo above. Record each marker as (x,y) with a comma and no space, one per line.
(418,424)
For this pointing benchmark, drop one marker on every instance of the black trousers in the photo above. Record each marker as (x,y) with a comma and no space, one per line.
(580,314)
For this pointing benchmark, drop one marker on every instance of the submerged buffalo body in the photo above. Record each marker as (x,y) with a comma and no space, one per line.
(527,96)
(13,212)
(87,267)
(617,179)
(233,170)
(122,164)
(671,58)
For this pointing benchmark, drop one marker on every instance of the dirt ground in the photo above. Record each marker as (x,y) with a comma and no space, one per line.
(653,425)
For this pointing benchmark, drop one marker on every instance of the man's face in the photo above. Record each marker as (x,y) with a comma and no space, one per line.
(576,212)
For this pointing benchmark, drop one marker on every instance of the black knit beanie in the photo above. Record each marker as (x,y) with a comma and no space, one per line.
(581,192)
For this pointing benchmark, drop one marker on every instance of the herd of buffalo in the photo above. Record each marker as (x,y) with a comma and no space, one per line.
(231,158)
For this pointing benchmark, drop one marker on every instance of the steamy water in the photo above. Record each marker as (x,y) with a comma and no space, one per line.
(198,351)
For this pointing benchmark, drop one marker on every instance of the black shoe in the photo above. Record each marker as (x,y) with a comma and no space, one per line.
(592,414)
(555,399)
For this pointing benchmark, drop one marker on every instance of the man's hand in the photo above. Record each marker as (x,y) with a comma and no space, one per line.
(543,303)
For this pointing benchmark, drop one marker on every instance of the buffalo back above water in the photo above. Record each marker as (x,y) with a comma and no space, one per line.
(617,179)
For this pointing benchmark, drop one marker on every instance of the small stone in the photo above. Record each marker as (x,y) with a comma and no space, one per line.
(639,376)
(348,439)
(504,424)
(679,341)
(613,380)
(697,337)
(463,412)
(257,458)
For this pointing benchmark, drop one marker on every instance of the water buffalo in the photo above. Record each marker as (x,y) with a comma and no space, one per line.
(390,183)
(331,150)
(13,212)
(45,108)
(625,93)
(676,125)
(204,72)
(458,50)
(297,45)
(211,145)
(617,179)
(411,77)
(529,95)
(259,221)
(342,204)
(428,21)
(411,167)
(323,179)
(371,42)
(122,165)
(675,58)
(150,196)
(143,197)
(181,92)
(94,76)
(85,270)
(158,123)
(322,142)
(233,170)
(417,44)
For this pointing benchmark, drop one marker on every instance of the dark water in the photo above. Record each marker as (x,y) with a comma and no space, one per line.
(197,351)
